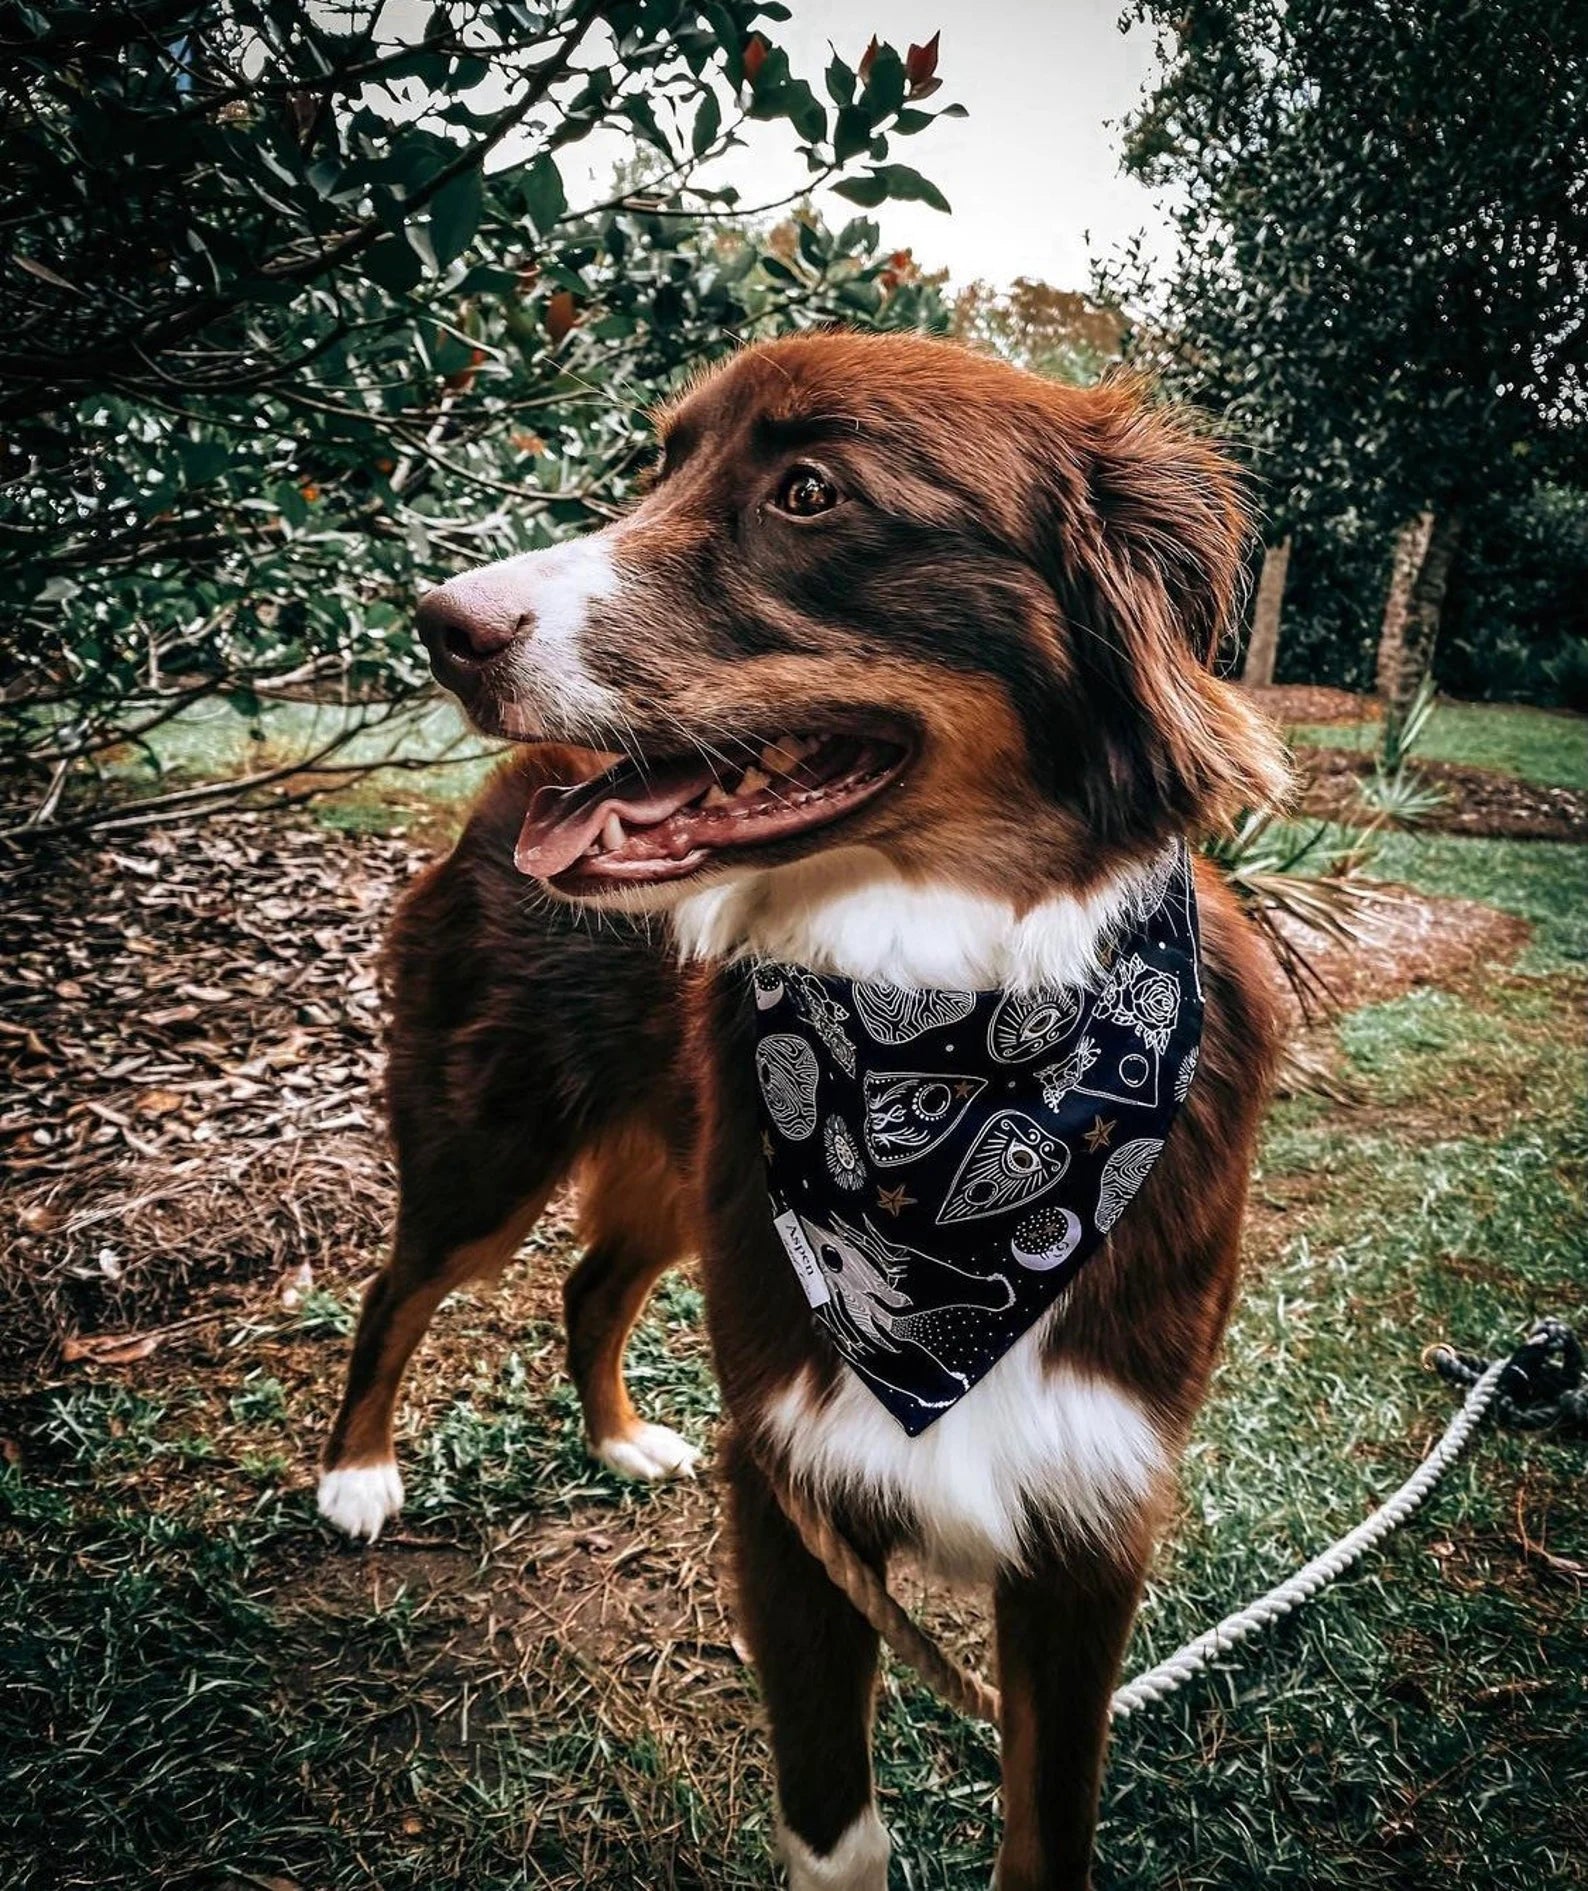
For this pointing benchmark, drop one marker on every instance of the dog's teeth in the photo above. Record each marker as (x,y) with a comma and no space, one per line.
(716,796)
(752,781)
(612,833)
(781,756)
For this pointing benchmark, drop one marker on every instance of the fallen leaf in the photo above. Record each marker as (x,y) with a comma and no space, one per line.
(109,1349)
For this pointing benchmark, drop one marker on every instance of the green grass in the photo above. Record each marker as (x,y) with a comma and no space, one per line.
(1544,882)
(1539,745)
(213,740)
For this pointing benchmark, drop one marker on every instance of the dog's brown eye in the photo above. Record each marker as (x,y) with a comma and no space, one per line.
(805,492)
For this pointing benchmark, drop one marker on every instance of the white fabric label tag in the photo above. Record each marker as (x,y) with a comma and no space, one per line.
(792,1235)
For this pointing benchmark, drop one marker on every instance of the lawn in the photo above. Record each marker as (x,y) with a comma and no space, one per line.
(1534,744)
(533,1681)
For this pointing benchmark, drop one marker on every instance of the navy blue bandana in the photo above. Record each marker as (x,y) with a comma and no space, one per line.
(941,1163)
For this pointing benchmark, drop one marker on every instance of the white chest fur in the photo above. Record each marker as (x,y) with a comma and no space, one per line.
(1029,1435)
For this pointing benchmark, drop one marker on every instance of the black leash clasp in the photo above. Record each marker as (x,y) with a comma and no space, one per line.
(1542,1386)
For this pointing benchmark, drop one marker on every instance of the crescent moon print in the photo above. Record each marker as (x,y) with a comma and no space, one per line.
(909,1112)
(1025,1023)
(768,987)
(1012,1161)
(1123,1173)
(894,1015)
(785,1068)
(1186,1073)
(1044,1239)
(844,1162)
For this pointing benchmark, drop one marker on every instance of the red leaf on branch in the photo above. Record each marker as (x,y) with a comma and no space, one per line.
(868,59)
(561,314)
(920,62)
(754,57)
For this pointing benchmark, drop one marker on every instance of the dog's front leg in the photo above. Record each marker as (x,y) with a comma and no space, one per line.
(1061,1635)
(817,1660)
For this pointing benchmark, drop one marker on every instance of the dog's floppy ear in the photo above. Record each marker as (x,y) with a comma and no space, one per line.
(1148,550)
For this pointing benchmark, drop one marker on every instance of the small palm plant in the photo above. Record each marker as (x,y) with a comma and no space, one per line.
(1294,881)
(1395,793)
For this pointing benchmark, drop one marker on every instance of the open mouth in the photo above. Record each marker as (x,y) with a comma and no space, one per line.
(646,821)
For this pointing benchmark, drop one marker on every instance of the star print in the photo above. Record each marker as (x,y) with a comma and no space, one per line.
(894,1200)
(964,1088)
(1097,1136)
(766,1144)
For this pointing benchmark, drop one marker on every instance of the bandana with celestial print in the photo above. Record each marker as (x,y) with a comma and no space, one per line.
(941,1163)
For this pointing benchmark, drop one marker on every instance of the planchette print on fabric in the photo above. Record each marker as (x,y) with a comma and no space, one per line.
(909,1112)
(987,1173)
(1012,1161)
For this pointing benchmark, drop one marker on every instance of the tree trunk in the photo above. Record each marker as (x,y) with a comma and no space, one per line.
(1263,650)
(1419,577)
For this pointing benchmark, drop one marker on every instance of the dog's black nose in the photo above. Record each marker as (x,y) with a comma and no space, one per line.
(468,621)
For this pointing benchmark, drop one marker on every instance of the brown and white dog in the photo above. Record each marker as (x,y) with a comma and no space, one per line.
(901,671)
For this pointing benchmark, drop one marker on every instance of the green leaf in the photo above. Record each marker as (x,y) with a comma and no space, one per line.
(455,216)
(884,92)
(867,191)
(840,82)
(393,265)
(708,123)
(897,181)
(851,134)
(544,197)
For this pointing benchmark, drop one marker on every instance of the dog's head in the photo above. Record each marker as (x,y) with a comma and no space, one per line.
(881,593)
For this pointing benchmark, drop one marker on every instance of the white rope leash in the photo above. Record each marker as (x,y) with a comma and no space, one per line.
(1189,1661)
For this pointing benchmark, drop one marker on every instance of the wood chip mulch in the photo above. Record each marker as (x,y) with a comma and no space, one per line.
(189,1054)
(1477,801)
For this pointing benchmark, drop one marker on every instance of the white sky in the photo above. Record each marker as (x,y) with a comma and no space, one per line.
(1029,173)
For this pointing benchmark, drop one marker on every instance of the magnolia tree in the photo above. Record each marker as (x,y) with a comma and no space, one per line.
(302,312)
(1380,284)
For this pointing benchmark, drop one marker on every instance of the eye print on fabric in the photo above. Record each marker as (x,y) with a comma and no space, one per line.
(893,1015)
(1044,1239)
(826,1018)
(1123,1173)
(844,1162)
(909,1112)
(785,1068)
(1024,1024)
(1012,1161)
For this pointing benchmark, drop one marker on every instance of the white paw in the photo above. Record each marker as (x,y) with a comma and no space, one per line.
(359,1498)
(648,1454)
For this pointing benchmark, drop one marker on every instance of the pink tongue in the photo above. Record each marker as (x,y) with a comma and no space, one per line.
(562,822)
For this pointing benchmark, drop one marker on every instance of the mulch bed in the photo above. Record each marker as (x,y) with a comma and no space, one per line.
(189,1054)
(1290,703)
(1410,939)
(1478,801)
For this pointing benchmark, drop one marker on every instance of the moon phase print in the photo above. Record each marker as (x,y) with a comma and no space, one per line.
(786,1069)
(894,1015)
